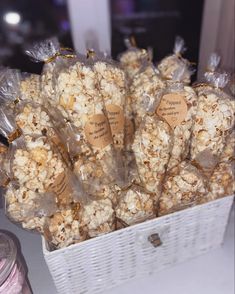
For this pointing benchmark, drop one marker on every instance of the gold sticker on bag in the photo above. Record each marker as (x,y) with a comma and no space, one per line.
(61,187)
(116,118)
(173,109)
(97,131)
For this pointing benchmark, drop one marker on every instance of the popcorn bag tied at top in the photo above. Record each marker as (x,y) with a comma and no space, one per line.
(49,52)
(132,59)
(45,51)
(214,120)
(178,107)
(172,63)
(112,88)
(77,89)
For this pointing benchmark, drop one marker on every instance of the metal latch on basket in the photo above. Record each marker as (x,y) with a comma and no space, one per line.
(155,240)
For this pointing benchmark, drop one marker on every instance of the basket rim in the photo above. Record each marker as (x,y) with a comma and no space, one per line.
(46,252)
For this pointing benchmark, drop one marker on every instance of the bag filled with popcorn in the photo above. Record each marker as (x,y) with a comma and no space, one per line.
(142,92)
(178,106)
(111,84)
(214,120)
(83,105)
(28,208)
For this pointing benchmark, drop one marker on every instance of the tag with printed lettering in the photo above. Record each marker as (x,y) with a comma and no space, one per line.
(173,109)
(116,118)
(97,131)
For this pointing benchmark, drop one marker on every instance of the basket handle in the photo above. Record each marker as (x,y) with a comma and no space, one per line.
(155,240)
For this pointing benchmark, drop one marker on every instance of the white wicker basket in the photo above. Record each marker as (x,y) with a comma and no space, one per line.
(101,263)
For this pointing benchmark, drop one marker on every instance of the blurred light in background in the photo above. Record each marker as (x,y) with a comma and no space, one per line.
(12,18)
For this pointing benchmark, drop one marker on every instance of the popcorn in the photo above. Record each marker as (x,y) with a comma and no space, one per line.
(213,122)
(184,186)
(135,206)
(33,119)
(30,88)
(111,81)
(228,153)
(47,81)
(143,91)
(76,89)
(152,148)
(63,229)
(94,180)
(21,205)
(221,183)
(37,166)
(98,217)
(170,65)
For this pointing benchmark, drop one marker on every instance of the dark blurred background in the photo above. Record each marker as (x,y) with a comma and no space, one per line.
(154,23)
(32,20)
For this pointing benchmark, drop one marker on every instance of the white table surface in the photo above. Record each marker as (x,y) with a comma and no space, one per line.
(212,273)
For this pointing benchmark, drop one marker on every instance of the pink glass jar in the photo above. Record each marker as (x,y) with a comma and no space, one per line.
(12,273)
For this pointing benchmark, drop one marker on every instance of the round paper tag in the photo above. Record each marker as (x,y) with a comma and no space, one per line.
(173,109)
(97,131)
(116,118)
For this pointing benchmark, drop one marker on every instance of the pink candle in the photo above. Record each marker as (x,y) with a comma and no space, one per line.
(12,273)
